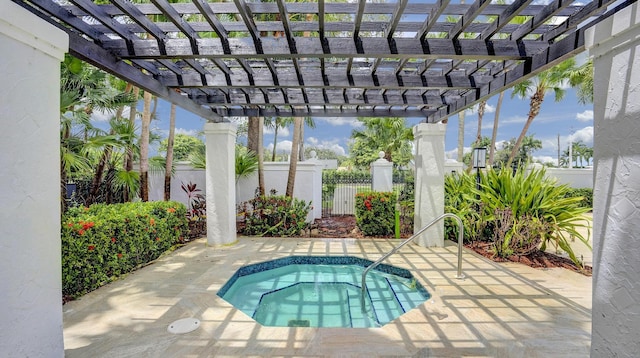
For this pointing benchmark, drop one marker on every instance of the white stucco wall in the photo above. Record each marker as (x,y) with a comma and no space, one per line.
(429,187)
(30,268)
(615,46)
(308,185)
(574,177)
(183,173)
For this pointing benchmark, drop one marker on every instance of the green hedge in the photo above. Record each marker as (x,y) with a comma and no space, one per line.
(375,213)
(103,242)
(586,194)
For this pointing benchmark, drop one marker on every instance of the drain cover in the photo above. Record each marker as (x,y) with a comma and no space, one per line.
(184,325)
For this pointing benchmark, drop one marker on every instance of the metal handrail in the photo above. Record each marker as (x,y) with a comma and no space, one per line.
(459,274)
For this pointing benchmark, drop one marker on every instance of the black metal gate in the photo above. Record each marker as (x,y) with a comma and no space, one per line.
(339,189)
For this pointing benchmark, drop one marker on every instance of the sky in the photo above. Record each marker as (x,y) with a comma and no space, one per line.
(568,119)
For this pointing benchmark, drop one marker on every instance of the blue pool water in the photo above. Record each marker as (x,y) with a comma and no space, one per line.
(322,291)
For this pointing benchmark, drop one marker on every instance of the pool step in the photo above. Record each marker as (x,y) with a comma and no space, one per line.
(386,306)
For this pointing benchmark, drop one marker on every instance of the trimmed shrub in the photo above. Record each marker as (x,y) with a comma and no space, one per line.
(103,242)
(275,215)
(586,194)
(375,213)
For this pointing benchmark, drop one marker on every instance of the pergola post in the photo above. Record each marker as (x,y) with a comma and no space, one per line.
(220,181)
(615,46)
(30,274)
(429,185)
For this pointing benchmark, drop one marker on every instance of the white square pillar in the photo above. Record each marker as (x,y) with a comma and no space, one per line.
(615,46)
(30,264)
(221,183)
(382,175)
(429,187)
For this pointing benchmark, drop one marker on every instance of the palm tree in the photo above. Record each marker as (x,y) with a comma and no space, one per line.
(481,107)
(144,146)
(494,132)
(169,157)
(293,158)
(551,79)
(582,79)
(389,135)
(83,89)
(309,122)
(254,144)
(278,122)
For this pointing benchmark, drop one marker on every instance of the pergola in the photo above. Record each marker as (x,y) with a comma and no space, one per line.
(237,58)
(407,58)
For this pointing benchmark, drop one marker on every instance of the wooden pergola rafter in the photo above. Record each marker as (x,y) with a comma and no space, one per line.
(396,58)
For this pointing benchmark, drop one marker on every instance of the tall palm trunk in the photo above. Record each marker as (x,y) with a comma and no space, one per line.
(275,140)
(481,108)
(128,162)
(301,145)
(144,147)
(534,109)
(494,133)
(293,158)
(169,159)
(460,136)
(254,143)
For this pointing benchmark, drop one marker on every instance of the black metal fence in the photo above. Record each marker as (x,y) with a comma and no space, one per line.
(339,189)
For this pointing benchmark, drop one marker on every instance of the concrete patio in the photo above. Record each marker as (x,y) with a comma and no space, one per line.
(499,310)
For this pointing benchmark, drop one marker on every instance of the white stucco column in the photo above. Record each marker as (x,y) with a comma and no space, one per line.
(429,190)
(382,174)
(615,46)
(30,265)
(221,183)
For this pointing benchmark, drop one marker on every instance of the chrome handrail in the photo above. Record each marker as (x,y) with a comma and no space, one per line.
(459,274)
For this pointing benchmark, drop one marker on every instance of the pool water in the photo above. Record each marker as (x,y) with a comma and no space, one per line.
(312,291)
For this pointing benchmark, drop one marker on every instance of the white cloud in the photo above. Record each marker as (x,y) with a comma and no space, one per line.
(282,146)
(585,116)
(487,109)
(282,132)
(545,159)
(339,121)
(513,120)
(332,145)
(585,135)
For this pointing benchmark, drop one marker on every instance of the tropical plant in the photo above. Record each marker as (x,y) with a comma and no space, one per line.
(389,135)
(197,204)
(183,146)
(582,79)
(246,162)
(537,205)
(550,80)
(516,213)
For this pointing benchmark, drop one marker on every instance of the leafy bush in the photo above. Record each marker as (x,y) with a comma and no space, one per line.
(459,199)
(103,242)
(275,215)
(586,194)
(375,213)
(516,212)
